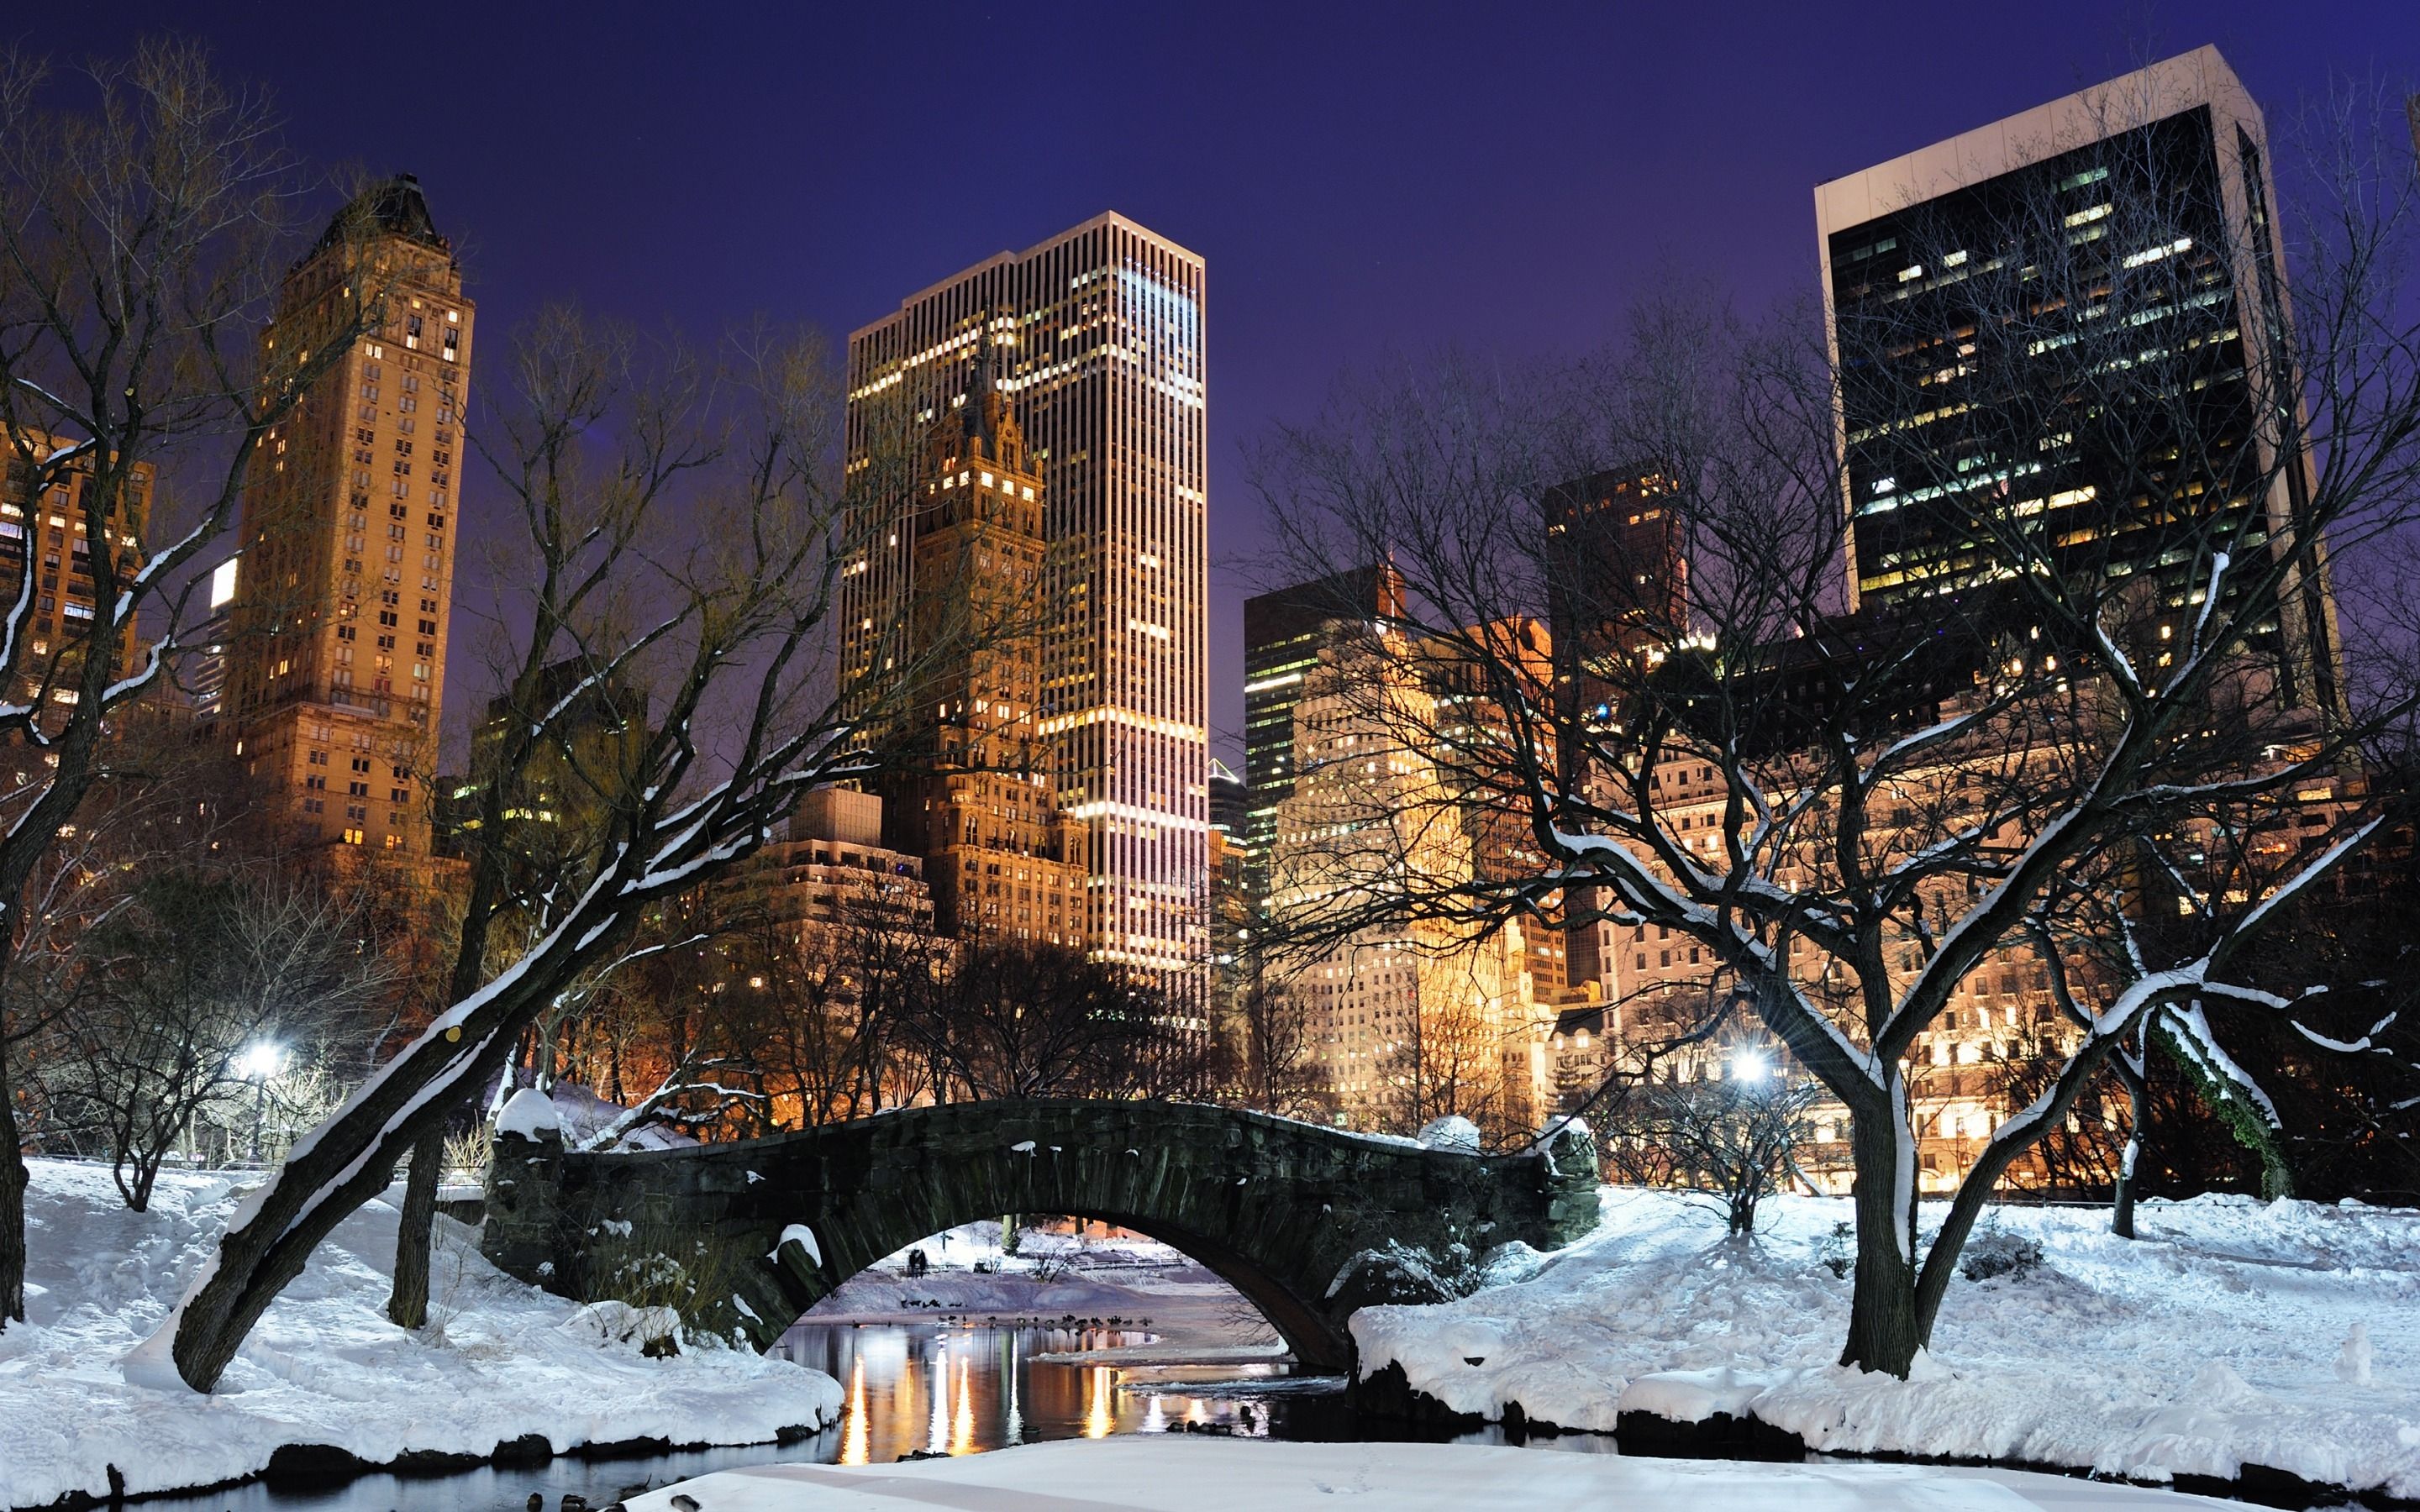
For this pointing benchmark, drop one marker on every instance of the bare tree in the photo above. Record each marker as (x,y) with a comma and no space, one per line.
(1733,1139)
(2120,469)
(1273,1065)
(168,995)
(615,454)
(1015,1019)
(138,233)
(834,1040)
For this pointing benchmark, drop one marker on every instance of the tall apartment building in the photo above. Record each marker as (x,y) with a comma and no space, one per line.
(1408,1017)
(1284,631)
(51,537)
(1232,923)
(969,789)
(336,673)
(1098,336)
(1970,284)
(830,869)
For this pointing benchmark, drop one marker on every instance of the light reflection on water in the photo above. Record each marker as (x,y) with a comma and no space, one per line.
(921,1389)
(937,1389)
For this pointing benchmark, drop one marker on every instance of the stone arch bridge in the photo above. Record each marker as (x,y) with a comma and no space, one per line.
(1307,1223)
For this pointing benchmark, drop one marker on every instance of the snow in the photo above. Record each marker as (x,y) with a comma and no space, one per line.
(1452,1132)
(499,1360)
(1164,1474)
(802,1236)
(2233,1332)
(583,1120)
(530,1114)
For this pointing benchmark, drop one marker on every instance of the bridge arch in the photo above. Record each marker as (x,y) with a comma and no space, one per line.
(1307,1222)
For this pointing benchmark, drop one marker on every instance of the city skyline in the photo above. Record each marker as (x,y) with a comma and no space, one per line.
(1365,194)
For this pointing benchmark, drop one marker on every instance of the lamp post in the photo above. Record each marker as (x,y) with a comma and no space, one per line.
(257,1065)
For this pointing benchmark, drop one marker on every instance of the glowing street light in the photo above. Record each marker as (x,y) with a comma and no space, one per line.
(257,1065)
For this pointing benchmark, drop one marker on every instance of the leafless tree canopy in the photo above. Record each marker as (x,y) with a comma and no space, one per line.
(162,1002)
(678,516)
(142,222)
(2104,727)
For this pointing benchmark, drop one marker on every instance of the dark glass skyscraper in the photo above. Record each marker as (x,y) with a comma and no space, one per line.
(2062,336)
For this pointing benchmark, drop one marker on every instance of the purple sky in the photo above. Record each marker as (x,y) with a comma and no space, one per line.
(1357,181)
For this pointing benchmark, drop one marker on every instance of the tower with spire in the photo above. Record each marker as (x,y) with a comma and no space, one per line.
(337,630)
(971,787)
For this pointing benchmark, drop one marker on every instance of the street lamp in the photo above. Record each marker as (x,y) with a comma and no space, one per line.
(257,1065)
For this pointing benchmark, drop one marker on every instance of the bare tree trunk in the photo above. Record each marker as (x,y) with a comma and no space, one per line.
(1885,1332)
(12,1208)
(407,1305)
(2138,1108)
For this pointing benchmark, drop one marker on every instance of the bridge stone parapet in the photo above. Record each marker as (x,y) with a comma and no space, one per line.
(1307,1223)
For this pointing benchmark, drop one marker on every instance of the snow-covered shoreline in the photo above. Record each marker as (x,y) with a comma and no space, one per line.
(2222,1339)
(500,1362)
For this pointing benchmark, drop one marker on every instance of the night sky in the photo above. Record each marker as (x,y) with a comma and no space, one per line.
(1360,179)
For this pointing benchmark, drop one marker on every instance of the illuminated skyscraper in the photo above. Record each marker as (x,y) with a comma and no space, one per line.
(1097,334)
(970,790)
(1284,633)
(336,666)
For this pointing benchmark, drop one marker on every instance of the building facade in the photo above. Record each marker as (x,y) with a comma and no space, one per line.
(336,668)
(828,870)
(969,786)
(1409,1018)
(2116,244)
(50,539)
(1284,633)
(1097,333)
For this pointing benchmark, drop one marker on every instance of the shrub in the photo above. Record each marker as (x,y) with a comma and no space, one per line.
(1996,1252)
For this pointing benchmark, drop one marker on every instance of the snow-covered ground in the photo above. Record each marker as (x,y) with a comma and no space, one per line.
(1161,1473)
(500,1360)
(2224,1336)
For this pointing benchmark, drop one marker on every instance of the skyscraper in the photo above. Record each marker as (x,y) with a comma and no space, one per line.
(1284,631)
(2069,328)
(337,668)
(206,685)
(1098,336)
(1617,585)
(970,790)
(1409,1015)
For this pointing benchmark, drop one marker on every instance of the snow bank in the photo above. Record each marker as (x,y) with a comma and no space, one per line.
(1160,1472)
(2212,1343)
(500,1360)
(577,1116)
